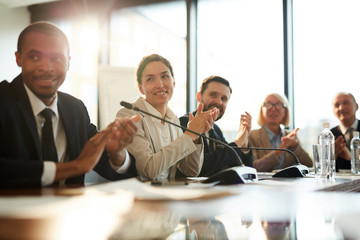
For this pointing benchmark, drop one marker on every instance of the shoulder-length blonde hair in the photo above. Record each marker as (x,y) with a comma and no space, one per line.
(286,120)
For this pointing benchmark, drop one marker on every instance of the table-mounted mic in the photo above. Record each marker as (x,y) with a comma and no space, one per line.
(234,175)
(297,170)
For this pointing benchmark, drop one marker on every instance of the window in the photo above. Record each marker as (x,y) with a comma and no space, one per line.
(242,41)
(157,28)
(81,80)
(326,61)
(134,32)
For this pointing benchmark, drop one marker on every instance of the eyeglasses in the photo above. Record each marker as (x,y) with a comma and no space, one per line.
(278,106)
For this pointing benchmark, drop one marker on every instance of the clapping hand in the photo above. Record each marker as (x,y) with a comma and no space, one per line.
(202,122)
(88,157)
(123,131)
(241,139)
(290,140)
(341,150)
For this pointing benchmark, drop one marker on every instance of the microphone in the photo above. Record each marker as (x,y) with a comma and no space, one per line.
(234,175)
(297,170)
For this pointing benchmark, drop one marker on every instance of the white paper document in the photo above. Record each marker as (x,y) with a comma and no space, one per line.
(146,191)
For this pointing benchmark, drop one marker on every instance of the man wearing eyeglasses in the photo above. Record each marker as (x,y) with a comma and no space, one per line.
(273,117)
(215,92)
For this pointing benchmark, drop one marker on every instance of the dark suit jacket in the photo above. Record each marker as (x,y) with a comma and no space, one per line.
(340,162)
(222,157)
(20,147)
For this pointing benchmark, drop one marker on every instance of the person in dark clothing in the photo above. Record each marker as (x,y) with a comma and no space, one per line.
(344,107)
(215,92)
(76,145)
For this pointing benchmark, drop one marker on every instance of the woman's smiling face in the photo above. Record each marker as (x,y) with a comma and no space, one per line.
(157,84)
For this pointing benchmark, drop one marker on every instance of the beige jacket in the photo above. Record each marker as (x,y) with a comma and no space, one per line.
(154,161)
(265,160)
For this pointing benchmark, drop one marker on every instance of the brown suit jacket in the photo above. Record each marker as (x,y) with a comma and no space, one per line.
(266,160)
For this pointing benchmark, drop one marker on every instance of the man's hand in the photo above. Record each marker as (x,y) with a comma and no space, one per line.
(202,122)
(87,159)
(341,150)
(123,131)
(242,136)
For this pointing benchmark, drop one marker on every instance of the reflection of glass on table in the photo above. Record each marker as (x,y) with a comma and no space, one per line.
(316,158)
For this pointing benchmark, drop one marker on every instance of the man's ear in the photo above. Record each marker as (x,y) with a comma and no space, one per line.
(198,97)
(18,58)
(68,63)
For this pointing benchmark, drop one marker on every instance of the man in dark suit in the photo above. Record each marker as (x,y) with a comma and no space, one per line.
(43,55)
(344,107)
(215,92)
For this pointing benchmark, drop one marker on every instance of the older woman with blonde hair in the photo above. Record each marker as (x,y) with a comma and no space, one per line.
(274,112)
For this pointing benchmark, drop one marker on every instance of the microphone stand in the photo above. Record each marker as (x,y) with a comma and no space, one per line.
(297,170)
(234,175)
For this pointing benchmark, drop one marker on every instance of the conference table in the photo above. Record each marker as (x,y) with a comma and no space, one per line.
(271,208)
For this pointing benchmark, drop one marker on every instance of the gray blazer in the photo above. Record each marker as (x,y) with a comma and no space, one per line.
(265,160)
(154,161)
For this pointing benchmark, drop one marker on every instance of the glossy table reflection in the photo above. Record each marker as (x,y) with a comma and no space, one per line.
(269,209)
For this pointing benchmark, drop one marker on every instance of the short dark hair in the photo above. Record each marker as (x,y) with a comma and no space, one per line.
(148,59)
(41,27)
(213,78)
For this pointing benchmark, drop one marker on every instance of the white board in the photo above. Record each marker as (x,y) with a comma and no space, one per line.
(115,84)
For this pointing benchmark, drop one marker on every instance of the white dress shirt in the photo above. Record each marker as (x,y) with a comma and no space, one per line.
(49,172)
(344,129)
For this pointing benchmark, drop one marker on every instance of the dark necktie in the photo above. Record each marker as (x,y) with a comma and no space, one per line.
(47,140)
(212,145)
(348,136)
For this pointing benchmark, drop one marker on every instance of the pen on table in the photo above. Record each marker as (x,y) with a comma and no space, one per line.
(174,183)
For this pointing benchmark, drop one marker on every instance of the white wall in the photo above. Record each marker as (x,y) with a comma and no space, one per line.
(12,22)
